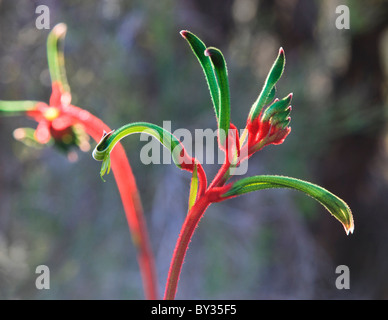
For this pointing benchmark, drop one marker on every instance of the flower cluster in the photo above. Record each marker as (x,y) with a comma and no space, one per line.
(271,126)
(56,124)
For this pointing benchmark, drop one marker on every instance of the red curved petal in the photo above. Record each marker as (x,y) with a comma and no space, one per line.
(42,132)
(62,122)
(56,94)
(38,111)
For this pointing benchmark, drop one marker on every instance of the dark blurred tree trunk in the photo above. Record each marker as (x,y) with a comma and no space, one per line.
(347,167)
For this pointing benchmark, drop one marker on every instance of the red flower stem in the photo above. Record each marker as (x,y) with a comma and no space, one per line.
(212,194)
(134,213)
(219,178)
(182,244)
(130,198)
(188,228)
(202,180)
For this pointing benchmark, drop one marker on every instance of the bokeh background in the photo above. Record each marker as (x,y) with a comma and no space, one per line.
(126,62)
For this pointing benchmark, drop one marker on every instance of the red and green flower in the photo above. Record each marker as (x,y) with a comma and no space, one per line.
(267,123)
(66,126)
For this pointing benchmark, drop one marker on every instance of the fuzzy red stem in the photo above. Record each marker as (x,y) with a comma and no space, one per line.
(202,180)
(182,245)
(219,178)
(130,198)
(212,194)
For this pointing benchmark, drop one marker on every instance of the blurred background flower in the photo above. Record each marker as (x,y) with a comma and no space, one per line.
(126,62)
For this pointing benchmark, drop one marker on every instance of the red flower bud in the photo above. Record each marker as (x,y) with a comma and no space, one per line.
(271,125)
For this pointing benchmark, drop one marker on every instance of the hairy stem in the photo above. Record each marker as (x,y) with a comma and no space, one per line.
(130,198)
(191,222)
(182,245)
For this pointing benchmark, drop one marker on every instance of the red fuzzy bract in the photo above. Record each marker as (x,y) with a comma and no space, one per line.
(263,133)
(53,120)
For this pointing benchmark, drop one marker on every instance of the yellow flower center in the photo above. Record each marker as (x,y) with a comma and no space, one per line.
(51,113)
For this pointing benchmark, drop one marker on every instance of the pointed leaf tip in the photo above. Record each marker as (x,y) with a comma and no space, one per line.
(273,77)
(198,48)
(184,33)
(60,30)
(349,230)
(349,226)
